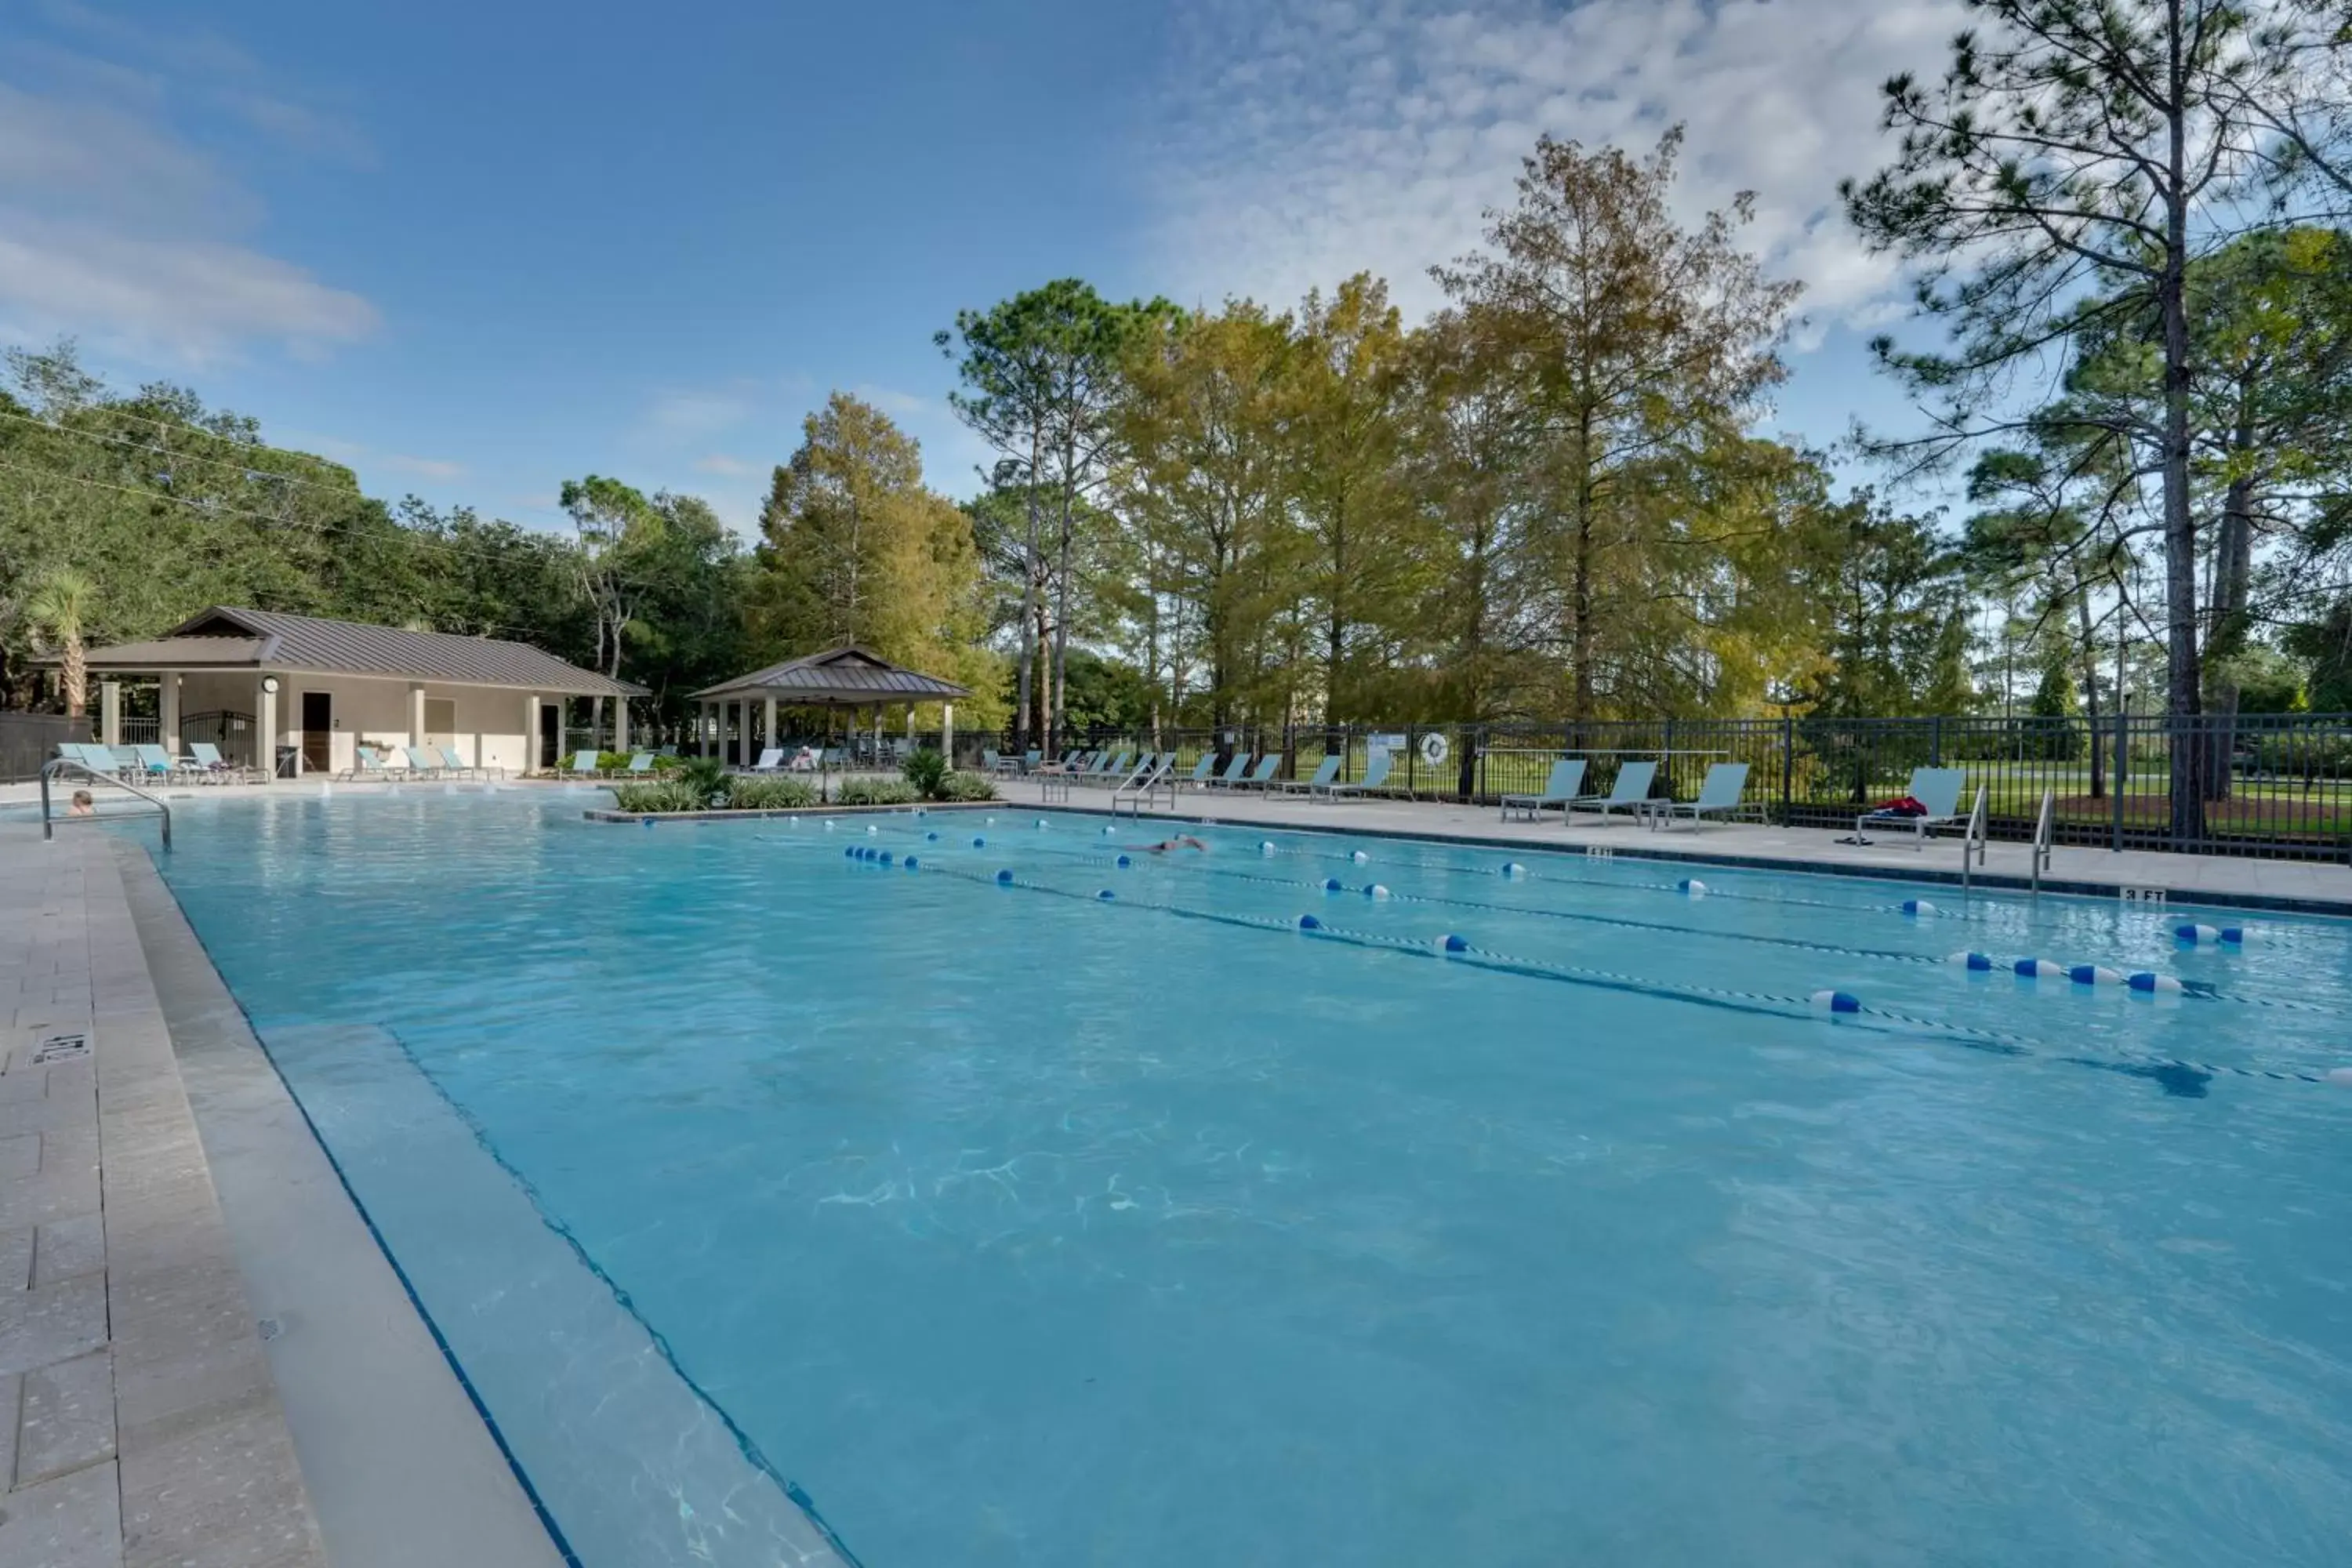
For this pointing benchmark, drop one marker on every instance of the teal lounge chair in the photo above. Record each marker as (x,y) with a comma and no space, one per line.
(1235,771)
(1374,781)
(211,765)
(1566,779)
(461,767)
(1199,777)
(424,761)
(1631,790)
(584,763)
(1149,775)
(1260,777)
(1125,776)
(1325,772)
(1937,789)
(1720,792)
(641,765)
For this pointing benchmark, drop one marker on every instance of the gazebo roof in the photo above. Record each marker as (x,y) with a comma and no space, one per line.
(845,677)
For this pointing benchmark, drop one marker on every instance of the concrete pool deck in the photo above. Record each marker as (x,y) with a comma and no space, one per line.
(2306,887)
(204,1360)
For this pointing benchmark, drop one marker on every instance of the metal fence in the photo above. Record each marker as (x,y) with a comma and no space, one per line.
(29,740)
(2275,785)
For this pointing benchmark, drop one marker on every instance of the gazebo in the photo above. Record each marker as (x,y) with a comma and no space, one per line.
(848,677)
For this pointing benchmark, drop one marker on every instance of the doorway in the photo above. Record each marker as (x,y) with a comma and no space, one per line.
(550,734)
(318,733)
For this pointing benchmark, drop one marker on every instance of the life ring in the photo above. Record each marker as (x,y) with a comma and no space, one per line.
(1433,749)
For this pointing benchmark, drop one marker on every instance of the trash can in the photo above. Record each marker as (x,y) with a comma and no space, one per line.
(289,761)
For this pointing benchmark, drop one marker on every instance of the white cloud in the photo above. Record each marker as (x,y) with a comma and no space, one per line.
(424,468)
(1306,140)
(725,467)
(113,227)
(194,299)
(890,400)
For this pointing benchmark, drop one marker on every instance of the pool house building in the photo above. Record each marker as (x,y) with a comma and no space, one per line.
(320,689)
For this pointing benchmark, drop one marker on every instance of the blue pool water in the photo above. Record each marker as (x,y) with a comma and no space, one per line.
(1011,1224)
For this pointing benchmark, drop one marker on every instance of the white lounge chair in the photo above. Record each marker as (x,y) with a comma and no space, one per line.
(1631,789)
(1937,789)
(1567,777)
(771,760)
(1720,792)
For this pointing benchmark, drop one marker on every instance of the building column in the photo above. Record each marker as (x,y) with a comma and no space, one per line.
(620,723)
(168,709)
(947,732)
(265,727)
(910,726)
(530,737)
(768,718)
(110,712)
(416,714)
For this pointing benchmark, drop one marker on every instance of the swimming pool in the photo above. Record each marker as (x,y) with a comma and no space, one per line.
(1007,1224)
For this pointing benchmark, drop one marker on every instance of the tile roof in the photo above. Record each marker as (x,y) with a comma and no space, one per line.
(232,638)
(848,676)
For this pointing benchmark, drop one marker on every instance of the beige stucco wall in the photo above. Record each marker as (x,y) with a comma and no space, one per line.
(488,720)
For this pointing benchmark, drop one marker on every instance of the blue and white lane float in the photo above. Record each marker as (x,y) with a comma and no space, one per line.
(1692,887)
(1835,1002)
(1916,907)
(2205,936)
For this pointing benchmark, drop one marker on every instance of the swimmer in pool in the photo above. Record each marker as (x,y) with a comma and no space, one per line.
(82,805)
(1181,841)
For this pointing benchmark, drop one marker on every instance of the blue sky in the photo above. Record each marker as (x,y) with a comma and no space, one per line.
(472,250)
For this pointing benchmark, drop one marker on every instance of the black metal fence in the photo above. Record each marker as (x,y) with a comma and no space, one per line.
(2276,785)
(29,740)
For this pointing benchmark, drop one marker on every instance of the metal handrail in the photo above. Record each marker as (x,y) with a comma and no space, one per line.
(1972,842)
(58,766)
(2045,830)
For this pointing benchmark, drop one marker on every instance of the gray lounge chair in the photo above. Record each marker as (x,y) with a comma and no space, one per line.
(1631,789)
(1199,777)
(1374,781)
(1325,772)
(1720,792)
(1937,789)
(1566,779)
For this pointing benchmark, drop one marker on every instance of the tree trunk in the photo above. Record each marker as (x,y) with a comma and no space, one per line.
(2232,574)
(1030,609)
(74,669)
(2090,684)
(1058,715)
(2182,697)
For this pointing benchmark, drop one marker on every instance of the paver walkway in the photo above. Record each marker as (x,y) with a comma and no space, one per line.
(138,1424)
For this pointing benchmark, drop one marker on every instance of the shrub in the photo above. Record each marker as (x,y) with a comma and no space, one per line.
(924,770)
(768,795)
(612,762)
(707,776)
(875,792)
(661,795)
(965,786)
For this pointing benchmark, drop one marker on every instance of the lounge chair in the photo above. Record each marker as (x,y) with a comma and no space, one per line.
(1260,777)
(1566,779)
(771,760)
(1201,771)
(1719,792)
(641,765)
(1937,789)
(1149,775)
(208,763)
(460,767)
(154,761)
(1113,766)
(424,761)
(1031,760)
(1123,774)
(995,765)
(1325,772)
(584,763)
(1631,790)
(1235,771)
(1374,781)
(365,763)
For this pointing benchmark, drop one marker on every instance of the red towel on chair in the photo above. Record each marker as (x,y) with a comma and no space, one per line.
(1904,805)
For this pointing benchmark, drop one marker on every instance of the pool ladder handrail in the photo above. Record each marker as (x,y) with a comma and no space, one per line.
(2046,833)
(59,767)
(1972,841)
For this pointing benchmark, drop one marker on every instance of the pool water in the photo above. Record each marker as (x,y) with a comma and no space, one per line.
(1013,1225)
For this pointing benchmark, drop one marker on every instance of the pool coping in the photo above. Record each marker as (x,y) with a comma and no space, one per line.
(402,1464)
(2003,881)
